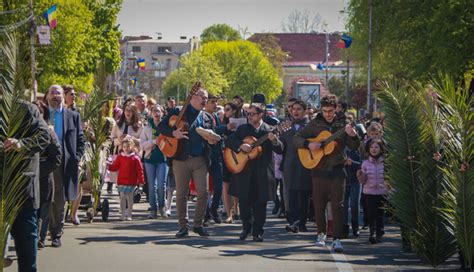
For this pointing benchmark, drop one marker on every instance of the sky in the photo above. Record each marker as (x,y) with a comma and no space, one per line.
(175,18)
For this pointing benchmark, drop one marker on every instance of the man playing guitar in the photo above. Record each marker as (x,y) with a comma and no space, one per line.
(252,185)
(329,176)
(191,162)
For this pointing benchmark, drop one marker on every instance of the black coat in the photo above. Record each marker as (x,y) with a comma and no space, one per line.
(72,149)
(254,177)
(50,159)
(34,137)
(294,173)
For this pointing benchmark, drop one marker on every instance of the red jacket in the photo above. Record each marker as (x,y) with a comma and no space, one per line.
(130,169)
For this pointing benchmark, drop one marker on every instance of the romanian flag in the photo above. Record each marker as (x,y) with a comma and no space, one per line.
(344,42)
(133,81)
(141,64)
(50,16)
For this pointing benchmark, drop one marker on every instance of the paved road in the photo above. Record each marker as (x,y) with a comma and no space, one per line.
(150,245)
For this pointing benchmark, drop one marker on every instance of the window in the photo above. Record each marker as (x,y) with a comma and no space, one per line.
(136,49)
(163,49)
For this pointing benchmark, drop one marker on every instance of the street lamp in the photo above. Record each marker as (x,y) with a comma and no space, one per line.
(178,55)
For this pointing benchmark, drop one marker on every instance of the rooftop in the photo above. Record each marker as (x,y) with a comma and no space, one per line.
(306,48)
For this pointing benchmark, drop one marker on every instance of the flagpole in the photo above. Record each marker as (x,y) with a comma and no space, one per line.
(327,58)
(34,87)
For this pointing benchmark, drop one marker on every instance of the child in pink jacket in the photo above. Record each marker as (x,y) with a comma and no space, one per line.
(371,176)
(130,175)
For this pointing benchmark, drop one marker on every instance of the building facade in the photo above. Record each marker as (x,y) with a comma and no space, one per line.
(305,51)
(160,58)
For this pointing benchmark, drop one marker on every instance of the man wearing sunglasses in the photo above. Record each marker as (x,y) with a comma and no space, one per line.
(253,188)
(192,162)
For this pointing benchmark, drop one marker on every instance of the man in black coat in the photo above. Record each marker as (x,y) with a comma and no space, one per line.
(67,125)
(252,185)
(31,139)
(296,178)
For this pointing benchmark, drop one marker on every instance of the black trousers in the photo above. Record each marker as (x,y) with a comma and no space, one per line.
(375,209)
(299,203)
(253,216)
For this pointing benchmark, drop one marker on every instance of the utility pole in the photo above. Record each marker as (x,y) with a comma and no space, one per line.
(34,86)
(327,59)
(346,91)
(369,72)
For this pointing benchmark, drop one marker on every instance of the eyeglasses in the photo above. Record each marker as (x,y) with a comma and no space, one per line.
(204,97)
(251,114)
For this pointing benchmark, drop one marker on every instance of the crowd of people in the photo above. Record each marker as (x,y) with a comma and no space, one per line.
(350,176)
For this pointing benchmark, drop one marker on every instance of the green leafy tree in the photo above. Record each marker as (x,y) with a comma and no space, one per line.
(86,34)
(246,68)
(337,86)
(107,32)
(227,68)
(270,47)
(413,39)
(195,67)
(220,32)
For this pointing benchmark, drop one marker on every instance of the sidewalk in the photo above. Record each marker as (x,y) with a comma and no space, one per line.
(150,245)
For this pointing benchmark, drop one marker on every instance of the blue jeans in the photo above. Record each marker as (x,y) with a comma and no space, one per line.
(216,172)
(156,177)
(43,220)
(353,193)
(25,233)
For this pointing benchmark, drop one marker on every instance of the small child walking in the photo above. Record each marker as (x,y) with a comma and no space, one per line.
(371,176)
(130,175)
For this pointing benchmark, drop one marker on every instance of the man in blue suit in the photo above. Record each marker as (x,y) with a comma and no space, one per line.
(67,125)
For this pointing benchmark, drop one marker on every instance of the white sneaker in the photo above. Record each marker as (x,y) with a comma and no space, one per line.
(337,246)
(129,218)
(168,213)
(321,242)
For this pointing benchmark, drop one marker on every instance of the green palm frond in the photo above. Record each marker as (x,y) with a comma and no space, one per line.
(13,165)
(97,131)
(457,109)
(402,131)
(413,130)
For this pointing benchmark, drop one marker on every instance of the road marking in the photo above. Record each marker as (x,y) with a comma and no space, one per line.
(341,261)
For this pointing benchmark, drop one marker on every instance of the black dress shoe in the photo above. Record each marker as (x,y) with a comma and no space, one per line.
(243,235)
(275,209)
(216,217)
(302,228)
(40,244)
(182,232)
(56,242)
(291,228)
(201,231)
(258,238)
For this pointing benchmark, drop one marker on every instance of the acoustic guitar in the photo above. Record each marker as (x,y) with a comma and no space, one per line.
(236,161)
(311,159)
(170,146)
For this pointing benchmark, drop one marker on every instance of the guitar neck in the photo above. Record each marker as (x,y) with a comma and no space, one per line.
(341,131)
(260,140)
(183,109)
(334,136)
(194,89)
